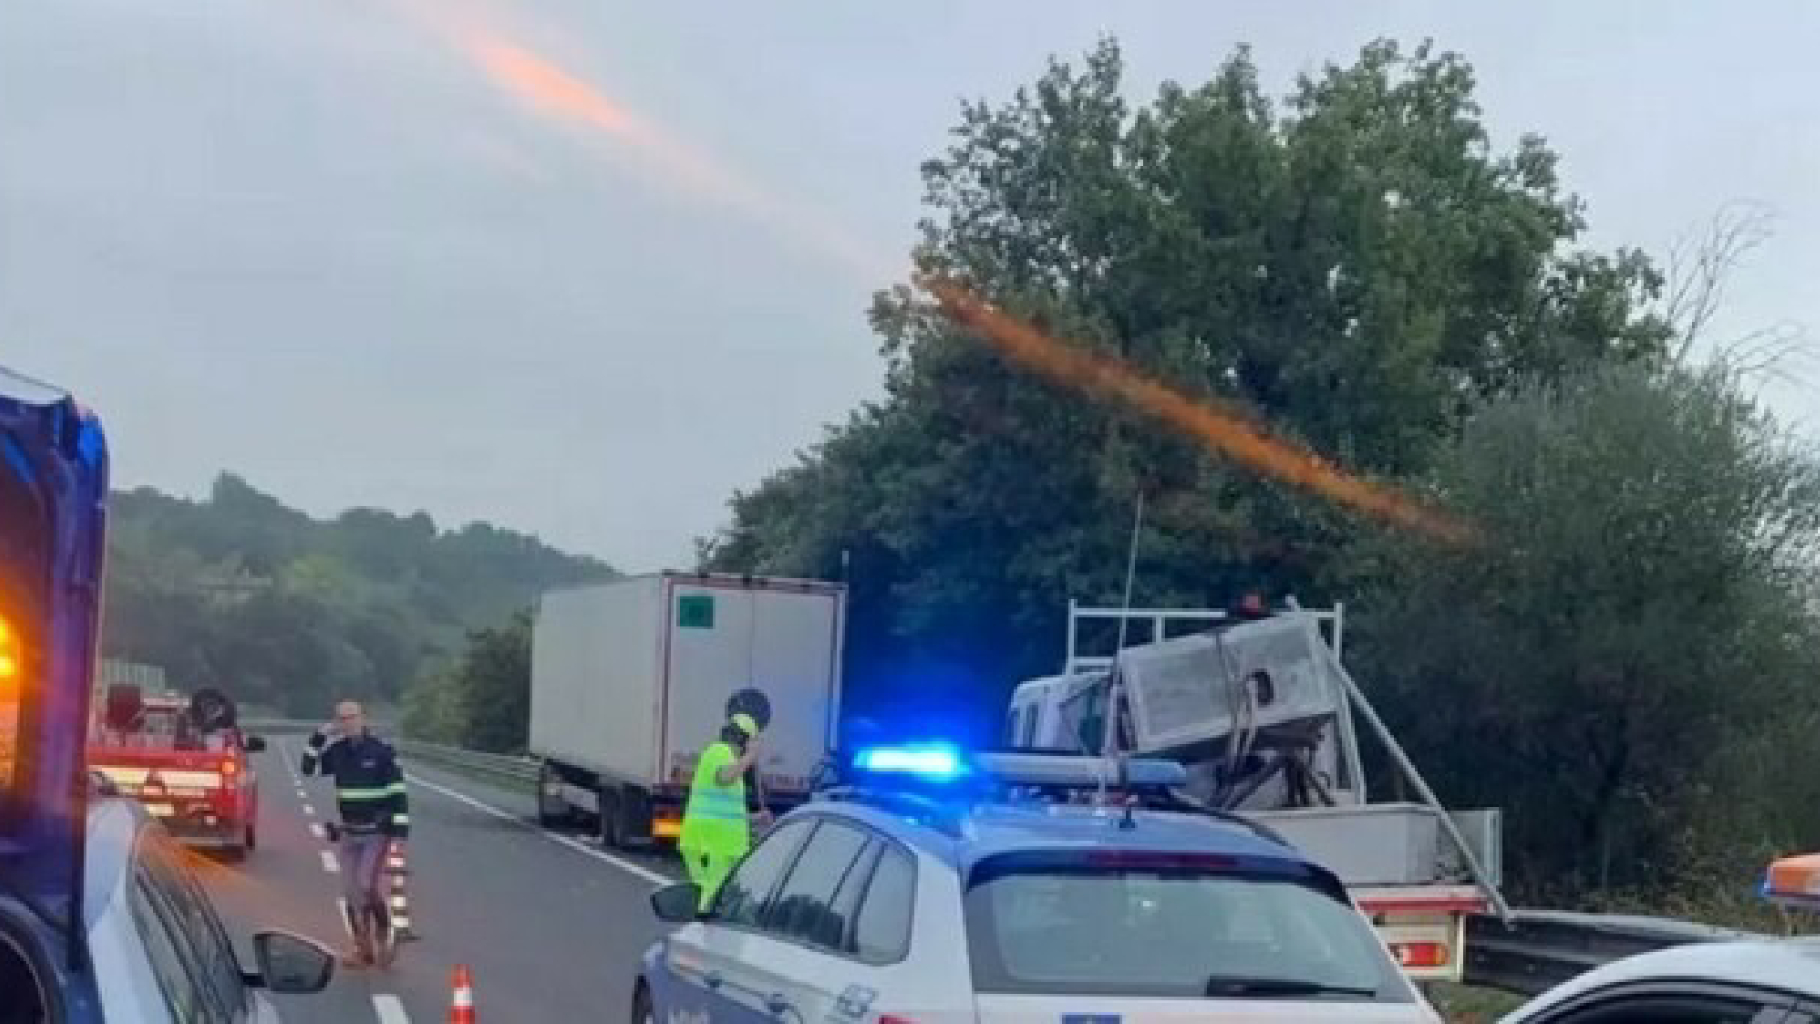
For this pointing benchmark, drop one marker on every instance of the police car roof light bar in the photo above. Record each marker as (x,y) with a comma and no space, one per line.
(928,762)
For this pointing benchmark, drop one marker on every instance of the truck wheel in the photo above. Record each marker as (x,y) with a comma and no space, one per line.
(252,836)
(552,811)
(641,1005)
(612,830)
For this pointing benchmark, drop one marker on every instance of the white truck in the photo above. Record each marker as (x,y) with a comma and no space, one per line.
(630,680)
(1261,713)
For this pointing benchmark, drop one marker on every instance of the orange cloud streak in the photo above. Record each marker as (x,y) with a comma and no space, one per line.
(555,92)
(1232,435)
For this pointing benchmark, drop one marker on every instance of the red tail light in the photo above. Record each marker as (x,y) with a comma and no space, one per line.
(1420,954)
(229,768)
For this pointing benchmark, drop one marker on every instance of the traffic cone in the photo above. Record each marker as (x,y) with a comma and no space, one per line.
(461,1002)
(398,902)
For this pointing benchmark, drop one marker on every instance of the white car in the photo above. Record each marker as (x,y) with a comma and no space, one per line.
(151,949)
(1770,981)
(891,907)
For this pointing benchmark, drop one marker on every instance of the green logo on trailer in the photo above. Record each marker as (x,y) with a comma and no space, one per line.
(695,611)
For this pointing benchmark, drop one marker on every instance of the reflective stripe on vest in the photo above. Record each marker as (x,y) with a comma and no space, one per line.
(722,804)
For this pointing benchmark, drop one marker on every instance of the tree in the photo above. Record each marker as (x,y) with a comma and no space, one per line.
(484,701)
(278,609)
(1358,270)
(1628,637)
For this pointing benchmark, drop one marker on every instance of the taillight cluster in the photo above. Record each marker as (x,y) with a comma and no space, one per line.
(1420,954)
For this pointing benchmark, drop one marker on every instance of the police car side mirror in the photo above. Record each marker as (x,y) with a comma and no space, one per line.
(291,964)
(254,744)
(677,904)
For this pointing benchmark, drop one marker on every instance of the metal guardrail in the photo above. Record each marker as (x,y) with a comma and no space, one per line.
(504,766)
(1539,949)
(501,766)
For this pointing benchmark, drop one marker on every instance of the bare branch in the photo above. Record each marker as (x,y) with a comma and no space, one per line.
(1700,263)
(1770,353)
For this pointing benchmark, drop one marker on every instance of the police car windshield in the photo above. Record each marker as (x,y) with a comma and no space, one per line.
(1065,925)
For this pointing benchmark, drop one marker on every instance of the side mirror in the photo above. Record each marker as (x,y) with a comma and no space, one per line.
(291,963)
(677,904)
(254,744)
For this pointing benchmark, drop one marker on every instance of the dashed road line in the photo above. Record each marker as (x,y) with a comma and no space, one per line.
(308,810)
(572,843)
(329,863)
(341,913)
(389,1009)
(318,831)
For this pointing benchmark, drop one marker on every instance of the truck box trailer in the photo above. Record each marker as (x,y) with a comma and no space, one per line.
(630,680)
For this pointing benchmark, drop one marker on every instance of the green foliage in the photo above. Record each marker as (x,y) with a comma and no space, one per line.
(1354,264)
(288,612)
(1628,649)
(484,701)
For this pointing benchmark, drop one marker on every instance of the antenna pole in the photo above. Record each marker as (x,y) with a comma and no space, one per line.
(1116,689)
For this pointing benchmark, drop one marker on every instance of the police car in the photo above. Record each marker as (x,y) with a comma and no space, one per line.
(928,888)
(1749,981)
(1768,981)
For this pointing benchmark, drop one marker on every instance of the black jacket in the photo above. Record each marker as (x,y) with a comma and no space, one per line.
(369,787)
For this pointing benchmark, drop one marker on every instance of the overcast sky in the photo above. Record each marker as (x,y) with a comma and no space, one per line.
(322,244)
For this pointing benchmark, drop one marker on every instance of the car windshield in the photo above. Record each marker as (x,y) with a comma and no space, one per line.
(1060,925)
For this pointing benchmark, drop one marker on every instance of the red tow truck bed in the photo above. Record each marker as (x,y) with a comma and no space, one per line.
(202,788)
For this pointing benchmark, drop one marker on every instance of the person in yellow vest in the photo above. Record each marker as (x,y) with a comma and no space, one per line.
(716,831)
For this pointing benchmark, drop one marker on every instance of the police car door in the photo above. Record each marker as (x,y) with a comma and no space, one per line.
(697,958)
(795,968)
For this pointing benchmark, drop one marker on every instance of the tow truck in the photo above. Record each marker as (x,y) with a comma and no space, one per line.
(185,759)
(1260,711)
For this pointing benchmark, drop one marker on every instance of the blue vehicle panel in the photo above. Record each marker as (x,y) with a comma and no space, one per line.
(53,482)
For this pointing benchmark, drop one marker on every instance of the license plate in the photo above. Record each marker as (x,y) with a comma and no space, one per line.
(161,810)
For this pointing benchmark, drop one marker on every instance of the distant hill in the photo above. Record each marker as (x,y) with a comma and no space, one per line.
(286,611)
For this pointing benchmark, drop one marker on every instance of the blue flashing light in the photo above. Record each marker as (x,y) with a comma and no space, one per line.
(931,762)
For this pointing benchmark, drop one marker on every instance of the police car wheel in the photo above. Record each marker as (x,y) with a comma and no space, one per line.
(641,1006)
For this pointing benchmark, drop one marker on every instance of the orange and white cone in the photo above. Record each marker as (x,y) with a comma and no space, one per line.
(397,901)
(461,1002)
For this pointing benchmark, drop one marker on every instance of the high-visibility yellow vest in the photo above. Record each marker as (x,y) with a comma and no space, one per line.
(715,816)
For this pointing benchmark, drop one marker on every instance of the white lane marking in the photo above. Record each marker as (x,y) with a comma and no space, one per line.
(318,831)
(569,841)
(308,810)
(389,1009)
(341,907)
(329,863)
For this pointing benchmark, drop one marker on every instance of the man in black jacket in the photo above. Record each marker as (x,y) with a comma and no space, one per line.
(370,798)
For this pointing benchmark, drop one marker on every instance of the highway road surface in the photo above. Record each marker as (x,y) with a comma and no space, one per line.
(550,926)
